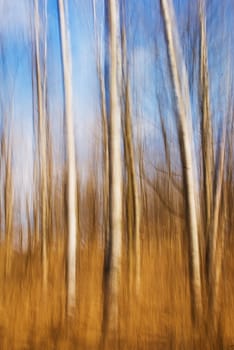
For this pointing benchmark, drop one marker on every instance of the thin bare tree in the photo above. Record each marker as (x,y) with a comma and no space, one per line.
(6,149)
(115,175)
(133,201)
(206,123)
(105,136)
(40,81)
(183,108)
(70,156)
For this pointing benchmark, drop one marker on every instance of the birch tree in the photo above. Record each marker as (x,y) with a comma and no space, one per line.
(115,175)
(8,195)
(133,202)
(133,197)
(215,248)
(105,136)
(213,178)
(206,122)
(183,108)
(40,81)
(70,155)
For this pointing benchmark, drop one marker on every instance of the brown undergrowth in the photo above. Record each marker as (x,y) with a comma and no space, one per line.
(158,317)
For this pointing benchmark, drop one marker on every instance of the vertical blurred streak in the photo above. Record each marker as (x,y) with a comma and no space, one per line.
(212,187)
(216,251)
(42,145)
(230,165)
(167,152)
(35,203)
(111,310)
(105,138)
(48,136)
(133,201)
(216,238)
(180,84)
(35,144)
(29,230)
(8,193)
(70,155)
(45,29)
(49,153)
(128,196)
(142,191)
(206,123)
(137,205)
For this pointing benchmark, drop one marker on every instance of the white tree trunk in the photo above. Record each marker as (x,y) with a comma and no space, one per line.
(70,149)
(113,279)
(206,124)
(8,199)
(42,143)
(105,136)
(181,90)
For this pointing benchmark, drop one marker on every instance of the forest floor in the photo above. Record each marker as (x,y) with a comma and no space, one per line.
(158,317)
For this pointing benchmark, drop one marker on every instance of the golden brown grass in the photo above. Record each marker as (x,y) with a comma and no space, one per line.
(158,318)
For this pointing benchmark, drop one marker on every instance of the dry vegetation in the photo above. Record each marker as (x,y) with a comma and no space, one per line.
(157,318)
(136,254)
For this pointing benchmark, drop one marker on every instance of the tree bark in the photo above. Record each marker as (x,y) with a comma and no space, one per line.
(42,146)
(70,153)
(111,311)
(181,90)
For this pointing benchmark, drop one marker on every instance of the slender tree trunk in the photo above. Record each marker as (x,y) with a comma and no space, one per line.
(29,230)
(105,140)
(215,250)
(134,200)
(206,125)
(113,274)
(71,161)
(42,146)
(181,90)
(133,203)
(8,194)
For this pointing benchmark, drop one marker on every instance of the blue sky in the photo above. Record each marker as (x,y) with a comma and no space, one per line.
(149,75)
